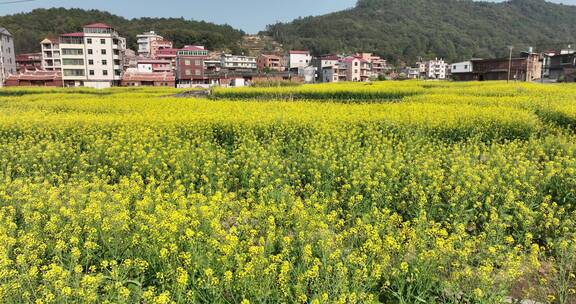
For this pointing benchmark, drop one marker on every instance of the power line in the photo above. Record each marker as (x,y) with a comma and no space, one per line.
(16,1)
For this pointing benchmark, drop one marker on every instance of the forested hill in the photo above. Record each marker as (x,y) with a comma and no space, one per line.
(403,30)
(30,28)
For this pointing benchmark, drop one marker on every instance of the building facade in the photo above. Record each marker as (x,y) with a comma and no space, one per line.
(462,71)
(270,62)
(157,45)
(561,67)
(378,65)
(154,65)
(150,79)
(28,62)
(51,55)
(436,69)
(93,57)
(145,41)
(238,62)
(527,67)
(327,67)
(190,66)
(7,55)
(299,59)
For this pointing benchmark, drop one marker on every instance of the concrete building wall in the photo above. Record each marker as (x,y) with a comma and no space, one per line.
(7,55)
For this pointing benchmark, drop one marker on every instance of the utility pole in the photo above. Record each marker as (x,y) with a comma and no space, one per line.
(510,63)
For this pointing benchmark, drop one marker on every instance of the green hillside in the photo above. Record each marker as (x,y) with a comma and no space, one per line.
(403,30)
(30,28)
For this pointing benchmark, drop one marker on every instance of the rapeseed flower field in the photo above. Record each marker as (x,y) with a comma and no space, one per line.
(389,192)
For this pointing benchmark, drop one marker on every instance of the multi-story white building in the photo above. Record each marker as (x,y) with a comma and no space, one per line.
(436,69)
(51,60)
(145,42)
(238,62)
(299,59)
(92,58)
(7,55)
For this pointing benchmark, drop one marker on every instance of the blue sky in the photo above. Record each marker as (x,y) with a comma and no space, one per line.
(249,15)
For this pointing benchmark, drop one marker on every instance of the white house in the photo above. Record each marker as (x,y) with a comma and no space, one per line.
(238,62)
(7,55)
(461,67)
(51,60)
(93,57)
(145,43)
(436,69)
(299,59)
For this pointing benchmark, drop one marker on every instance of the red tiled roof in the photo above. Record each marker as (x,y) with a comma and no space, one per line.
(154,76)
(98,25)
(36,75)
(78,34)
(300,52)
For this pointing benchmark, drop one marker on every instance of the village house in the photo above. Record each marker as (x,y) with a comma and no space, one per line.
(462,71)
(51,59)
(436,69)
(143,79)
(327,67)
(154,65)
(562,67)
(378,65)
(299,59)
(270,63)
(157,45)
(7,55)
(527,67)
(28,62)
(145,41)
(355,68)
(39,78)
(238,62)
(93,57)
(190,66)
(168,54)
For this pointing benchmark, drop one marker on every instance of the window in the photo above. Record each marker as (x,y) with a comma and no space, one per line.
(72,52)
(103,52)
(188,72)
(466,67)
(91,72)
(70,72)
(90,62)
(104,62)
(355,63)
(105,73)
(89,40)
(102,41)
(198,72)
(68,61)
(90,52)
(186,61)
(197,62)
